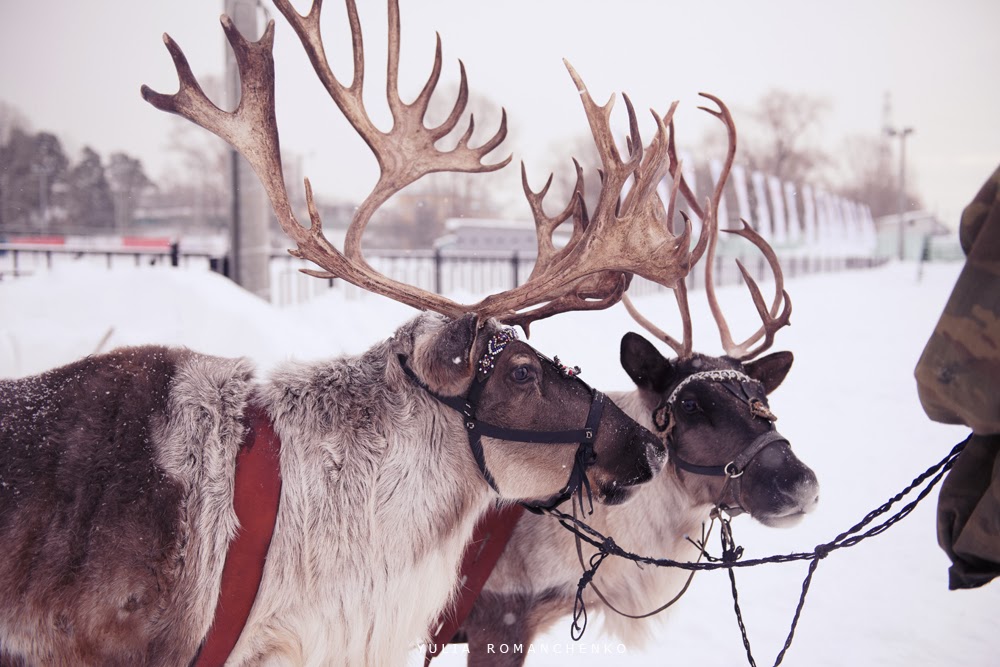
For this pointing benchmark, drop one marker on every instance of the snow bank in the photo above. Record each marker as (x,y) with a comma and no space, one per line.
(849,408)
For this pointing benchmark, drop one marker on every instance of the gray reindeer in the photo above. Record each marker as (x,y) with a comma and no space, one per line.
(163,507)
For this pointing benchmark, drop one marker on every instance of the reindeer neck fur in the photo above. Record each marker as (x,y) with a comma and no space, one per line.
(386,497)
(654,521)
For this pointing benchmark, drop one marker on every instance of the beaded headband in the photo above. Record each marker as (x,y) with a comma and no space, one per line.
(495,347)
(719,376)
(499,342)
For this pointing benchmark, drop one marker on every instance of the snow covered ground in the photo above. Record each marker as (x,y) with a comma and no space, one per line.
(849,408)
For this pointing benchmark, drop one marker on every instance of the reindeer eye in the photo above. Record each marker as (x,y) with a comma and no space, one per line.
(689,405)
(521,374)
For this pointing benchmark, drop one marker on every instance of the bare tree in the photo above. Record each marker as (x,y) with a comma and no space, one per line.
(781,139)
(89,204)
(128,181)
(31,165)
(869,175)
(200,185)
(11,119)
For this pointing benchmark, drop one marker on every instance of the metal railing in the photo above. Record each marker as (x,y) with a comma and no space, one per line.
(439,271)
(22,259)
(484,273)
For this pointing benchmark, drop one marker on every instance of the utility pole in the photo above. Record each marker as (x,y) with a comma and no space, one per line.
(250,237)
(902,134)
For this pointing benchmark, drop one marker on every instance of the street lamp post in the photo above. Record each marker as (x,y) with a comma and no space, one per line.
(902,134)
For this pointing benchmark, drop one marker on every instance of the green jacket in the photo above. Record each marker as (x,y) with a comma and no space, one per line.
(958,380)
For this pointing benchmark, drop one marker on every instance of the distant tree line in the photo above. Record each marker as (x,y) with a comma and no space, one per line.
(45,190)
(42,190)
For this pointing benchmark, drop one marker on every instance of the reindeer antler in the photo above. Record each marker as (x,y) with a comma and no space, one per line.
(772,321)
(591,271)
(621,238)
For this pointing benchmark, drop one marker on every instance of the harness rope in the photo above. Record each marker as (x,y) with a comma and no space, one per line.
(597,591)
(732,554)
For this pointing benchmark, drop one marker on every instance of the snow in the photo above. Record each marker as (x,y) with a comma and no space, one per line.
(849,407)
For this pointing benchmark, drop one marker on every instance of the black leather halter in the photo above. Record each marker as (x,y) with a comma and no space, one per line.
(736,383)
(476,429)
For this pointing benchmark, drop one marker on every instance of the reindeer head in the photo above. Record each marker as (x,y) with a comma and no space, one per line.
(713,411)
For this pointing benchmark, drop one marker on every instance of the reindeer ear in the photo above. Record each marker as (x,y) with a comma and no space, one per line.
(444,358)
(644,364)
(770,370)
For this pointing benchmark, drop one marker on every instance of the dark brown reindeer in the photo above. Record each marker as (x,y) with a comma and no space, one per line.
(723,452)
(122,476)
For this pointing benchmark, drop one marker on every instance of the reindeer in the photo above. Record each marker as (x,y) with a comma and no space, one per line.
(163,507)
(723,455)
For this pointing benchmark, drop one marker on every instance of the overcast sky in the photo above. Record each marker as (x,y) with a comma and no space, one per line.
(75,68)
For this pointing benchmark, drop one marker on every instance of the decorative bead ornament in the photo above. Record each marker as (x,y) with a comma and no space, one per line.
(495,347)
(567,370)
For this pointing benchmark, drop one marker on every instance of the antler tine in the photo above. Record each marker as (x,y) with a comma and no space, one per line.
(615,170)
(771,320)
(593,292)
(682,348)
(621,238)
(727,119)
(545,226)
(255,110)
(676,171)
(407,152)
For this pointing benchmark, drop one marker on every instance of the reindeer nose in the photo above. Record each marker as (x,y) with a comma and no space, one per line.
(656,451)
(810,491)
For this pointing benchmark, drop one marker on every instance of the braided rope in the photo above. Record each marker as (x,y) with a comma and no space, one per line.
(732,554)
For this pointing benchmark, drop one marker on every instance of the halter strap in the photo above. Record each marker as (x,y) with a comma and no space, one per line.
(476,429)
(737,466)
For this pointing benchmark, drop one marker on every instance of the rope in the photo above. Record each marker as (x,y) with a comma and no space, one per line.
(732,555)
(687,584)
